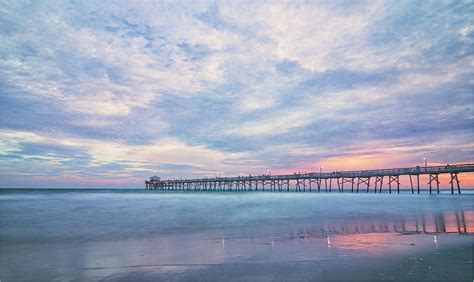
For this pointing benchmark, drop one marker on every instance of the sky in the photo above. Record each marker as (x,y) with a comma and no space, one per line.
(108,93)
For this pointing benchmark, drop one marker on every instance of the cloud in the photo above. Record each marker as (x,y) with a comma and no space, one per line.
(59,155)
(106,68)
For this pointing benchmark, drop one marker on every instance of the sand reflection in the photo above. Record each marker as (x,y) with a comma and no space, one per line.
(384,236)
(452,222)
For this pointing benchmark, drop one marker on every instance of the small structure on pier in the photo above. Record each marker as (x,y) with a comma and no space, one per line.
(155,178)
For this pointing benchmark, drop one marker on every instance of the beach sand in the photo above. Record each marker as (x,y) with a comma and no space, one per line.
(234,237)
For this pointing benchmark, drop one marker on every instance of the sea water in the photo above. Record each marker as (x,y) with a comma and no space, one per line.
(135,234)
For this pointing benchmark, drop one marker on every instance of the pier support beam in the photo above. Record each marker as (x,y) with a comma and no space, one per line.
(418,183)
(347,180)
(299,183)
(434,177)
(318,183)
(363,180)
(378,181)
(454,178)
(396,179)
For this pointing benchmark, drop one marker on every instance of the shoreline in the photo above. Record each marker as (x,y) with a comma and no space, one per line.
(232,236)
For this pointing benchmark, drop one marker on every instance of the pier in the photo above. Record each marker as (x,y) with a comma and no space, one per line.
(353,181)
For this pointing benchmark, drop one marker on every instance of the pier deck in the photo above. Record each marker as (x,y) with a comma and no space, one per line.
(357,180)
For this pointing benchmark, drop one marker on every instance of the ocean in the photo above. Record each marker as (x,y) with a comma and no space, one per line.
(130,235)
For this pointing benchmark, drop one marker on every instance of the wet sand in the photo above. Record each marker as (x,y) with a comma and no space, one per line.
(446,264)
(241,259)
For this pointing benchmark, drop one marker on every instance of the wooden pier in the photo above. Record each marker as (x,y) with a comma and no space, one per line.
(352,181)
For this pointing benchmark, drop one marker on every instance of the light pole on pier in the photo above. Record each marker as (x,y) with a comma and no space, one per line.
(424,159)
(321,169)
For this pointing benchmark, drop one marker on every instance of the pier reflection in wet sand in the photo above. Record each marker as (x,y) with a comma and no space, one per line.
(370,236)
